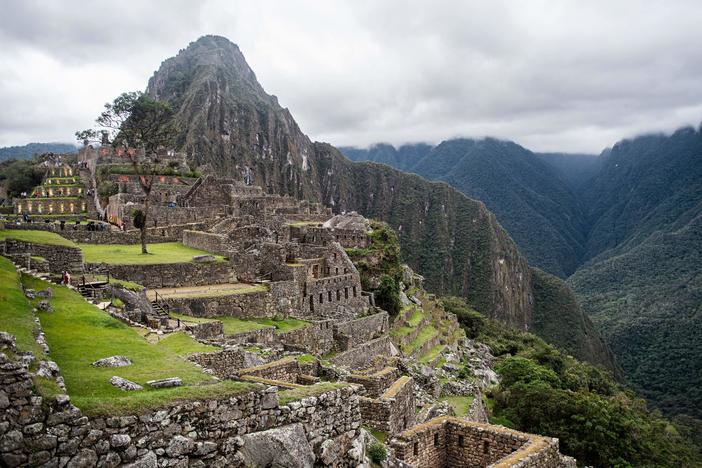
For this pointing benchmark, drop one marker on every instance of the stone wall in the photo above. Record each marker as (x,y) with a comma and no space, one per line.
(394,411)
(452,442)
(217,243)
(363,355)
(334,297)
(155,235)
(168,275)
(207,330)
(348,238)
(58,258)
(226,362)
(34,431)
(286,369)
(375,384)
(316,338)
(352,333)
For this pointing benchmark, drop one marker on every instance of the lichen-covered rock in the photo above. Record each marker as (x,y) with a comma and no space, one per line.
(45,306)
(179,446)
(113,361)
(284,447)
(47,293)
(164,383)
(124,384)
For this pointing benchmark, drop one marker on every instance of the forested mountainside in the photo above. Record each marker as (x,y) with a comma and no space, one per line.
(230,124)
(644,285)
(529,197)
(576,169)
(637,243)
(30,149)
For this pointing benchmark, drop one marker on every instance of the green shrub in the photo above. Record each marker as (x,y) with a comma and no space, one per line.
(377,453)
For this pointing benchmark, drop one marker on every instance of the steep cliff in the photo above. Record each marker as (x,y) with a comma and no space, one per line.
(229,123)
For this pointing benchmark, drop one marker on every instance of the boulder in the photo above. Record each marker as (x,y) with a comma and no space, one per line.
(124,384)
(45,306)
(47,293)
(404,299)
(281,447)
(163,383)
(180,445)
(113,361)
(30,293)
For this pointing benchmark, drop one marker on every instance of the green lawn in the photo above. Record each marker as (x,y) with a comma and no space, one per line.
(460,404)
(286,396)
(234,325)
(416,318)
(115,254)
(36,237)
(182,344)
(78,333)
(16,315)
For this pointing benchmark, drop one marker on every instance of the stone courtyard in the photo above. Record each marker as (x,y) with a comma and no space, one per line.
(274,297)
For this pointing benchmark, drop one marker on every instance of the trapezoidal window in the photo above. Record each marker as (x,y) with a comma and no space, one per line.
(436,440)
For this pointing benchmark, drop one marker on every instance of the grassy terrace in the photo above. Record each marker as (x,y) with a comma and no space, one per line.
(209,290)
(36,237)
(16,313)
(78,333)
(460,404)
(166,252)
(234,325)
(424,335)
(432,354)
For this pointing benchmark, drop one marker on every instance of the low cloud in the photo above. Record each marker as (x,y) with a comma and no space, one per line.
(553,76)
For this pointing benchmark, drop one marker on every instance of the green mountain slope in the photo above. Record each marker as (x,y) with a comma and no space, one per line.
(633,218)
(232,126)
(528,196)
(643,287)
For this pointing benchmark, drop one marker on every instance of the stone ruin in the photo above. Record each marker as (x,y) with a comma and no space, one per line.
(289,257)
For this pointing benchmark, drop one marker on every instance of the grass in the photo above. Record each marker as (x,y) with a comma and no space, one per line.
(16,316)
(166,252)
(36,237)
(424,335)
(235,325)
(305,359)
(117,302)
(78,333)
(432,354)
(286,396)
(460,404)
(305,223)
(379,435)
(416,318)
(182,344)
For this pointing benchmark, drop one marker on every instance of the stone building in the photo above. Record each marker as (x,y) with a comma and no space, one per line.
(61,193)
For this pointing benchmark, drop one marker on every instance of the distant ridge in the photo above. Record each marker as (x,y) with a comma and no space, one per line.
(30,149)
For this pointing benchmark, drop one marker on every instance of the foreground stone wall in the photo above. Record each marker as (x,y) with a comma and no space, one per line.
(58,258)
(394,411)
(34,431)
(452,442)
(168,275)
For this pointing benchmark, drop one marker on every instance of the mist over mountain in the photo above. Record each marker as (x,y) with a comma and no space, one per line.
(624,226)
(231,126)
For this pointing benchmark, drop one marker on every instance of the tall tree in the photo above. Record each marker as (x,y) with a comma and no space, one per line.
(136,121)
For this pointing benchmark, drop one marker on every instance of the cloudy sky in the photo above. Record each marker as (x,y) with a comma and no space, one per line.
(556,75)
